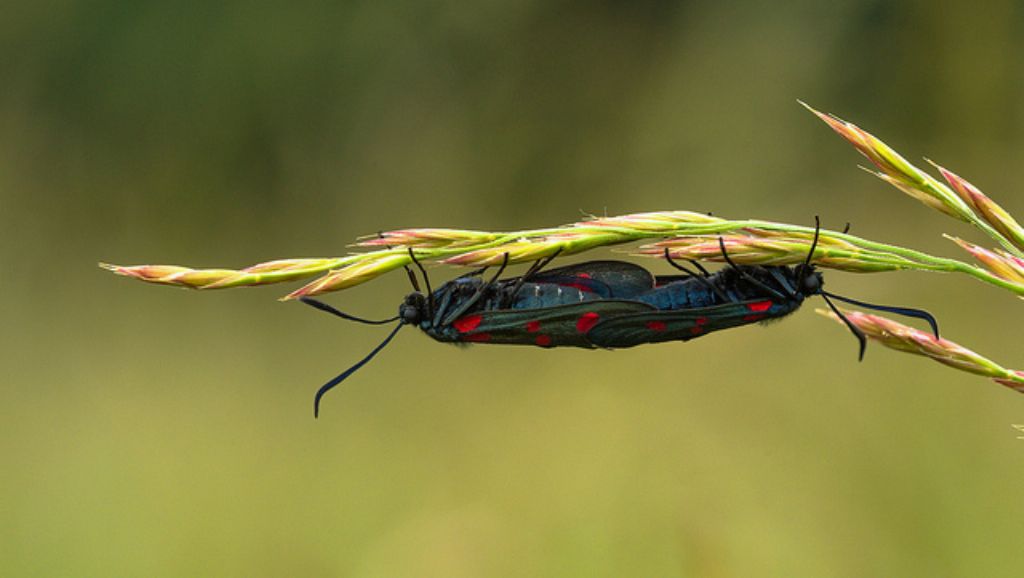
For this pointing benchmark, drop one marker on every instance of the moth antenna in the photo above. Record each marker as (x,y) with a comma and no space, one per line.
(327,308)
(750,278)
(344,375)
(846,229)
(906,311)
(426,280)
(856,332)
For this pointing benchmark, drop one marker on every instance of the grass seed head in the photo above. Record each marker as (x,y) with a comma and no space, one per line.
(1001,264)
(896,170)
(428,238)
(895,335)
(351,275)
(172,274)
(762,247)
(985,207)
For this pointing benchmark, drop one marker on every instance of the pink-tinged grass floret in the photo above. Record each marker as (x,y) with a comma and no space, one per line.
(895,335)
(963,201)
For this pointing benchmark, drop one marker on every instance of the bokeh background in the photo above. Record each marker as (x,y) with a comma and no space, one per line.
(151,431)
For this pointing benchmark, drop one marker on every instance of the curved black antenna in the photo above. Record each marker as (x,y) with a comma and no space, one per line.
(750,278)
(327,308)
(344,375)
(426,280)
(702,279)
(907,311)
(856,332)
(814,243)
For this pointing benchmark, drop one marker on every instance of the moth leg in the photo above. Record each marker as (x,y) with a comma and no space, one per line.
(479,293)
(412,276)
(750,278)
(426,279)
(442,308)
(699,267)
(701,278)
(783,282)
(533,270)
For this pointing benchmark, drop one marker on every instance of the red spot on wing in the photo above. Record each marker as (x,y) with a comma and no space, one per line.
(587,321)
(533,326)
(583,275)
(656,325)
(696,330)
(468,323)
(760,306)
(701,321)
(478,337)
(753,317)
(543,340)
(580,286)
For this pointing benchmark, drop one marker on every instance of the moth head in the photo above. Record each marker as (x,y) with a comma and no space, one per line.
(414,309)
(809,280)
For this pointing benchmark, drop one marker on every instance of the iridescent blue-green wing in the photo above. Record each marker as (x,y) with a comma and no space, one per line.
(683,324)
(622,280)
(558,326)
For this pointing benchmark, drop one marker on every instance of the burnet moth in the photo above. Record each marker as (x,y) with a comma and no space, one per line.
(605,304)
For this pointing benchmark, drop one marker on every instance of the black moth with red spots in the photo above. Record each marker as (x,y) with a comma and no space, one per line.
(605,304)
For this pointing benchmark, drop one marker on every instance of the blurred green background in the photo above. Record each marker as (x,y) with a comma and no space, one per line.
(149,431)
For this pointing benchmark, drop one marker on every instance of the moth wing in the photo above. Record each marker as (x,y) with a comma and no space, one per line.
(563,325)
(682,324)
(623,280)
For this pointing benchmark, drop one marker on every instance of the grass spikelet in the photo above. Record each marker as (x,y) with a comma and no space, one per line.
(998,262)
(985,207)
(759,247)
(963,201)
(427,238)
(895,335)
(352,275)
